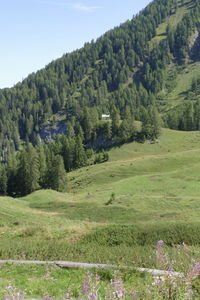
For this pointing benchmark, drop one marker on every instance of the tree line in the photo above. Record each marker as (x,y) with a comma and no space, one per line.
(46,165)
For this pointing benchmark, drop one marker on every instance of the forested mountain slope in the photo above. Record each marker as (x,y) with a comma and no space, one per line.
(120,69)
(128,72)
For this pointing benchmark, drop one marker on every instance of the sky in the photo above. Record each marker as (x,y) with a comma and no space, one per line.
(35,32)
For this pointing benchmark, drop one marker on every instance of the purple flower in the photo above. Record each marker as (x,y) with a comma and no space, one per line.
(119,293)
(157,281)
(119,290)
(93,296)
(190,291)
(197,266)
(160,243)
(85,287)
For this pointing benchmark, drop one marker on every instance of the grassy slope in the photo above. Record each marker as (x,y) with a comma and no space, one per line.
(141,176)
(184,81)
(146,179)
(153,184)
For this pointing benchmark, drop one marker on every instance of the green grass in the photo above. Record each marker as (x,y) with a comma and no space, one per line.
(38,281)
(184,81)
(151,182)
(156,190)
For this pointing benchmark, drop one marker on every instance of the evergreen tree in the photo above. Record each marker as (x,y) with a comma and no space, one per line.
(28,171)
(115,121)
(56,175)
(80,158)
(42,164)
(151,124)
(68,145)
(3,180)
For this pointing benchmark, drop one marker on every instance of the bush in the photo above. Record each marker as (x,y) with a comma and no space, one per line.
(141,235)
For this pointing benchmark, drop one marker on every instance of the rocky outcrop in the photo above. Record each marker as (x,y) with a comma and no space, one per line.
(49,132)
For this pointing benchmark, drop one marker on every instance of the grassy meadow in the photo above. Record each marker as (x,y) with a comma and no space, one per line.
(155,190)
(184,81)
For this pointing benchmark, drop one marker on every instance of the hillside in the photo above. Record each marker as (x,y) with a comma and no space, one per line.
(124,67)
(155,182)
(154,193)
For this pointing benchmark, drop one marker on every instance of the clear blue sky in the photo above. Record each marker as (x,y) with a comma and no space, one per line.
(34,32)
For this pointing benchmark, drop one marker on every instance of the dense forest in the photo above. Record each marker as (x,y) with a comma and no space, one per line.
(120,73)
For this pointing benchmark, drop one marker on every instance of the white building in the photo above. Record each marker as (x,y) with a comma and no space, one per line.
(105,117)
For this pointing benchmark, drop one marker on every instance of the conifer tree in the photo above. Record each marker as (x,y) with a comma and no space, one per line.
(115,121)
(28,171)
(56,174)
(42,164)
(80,157)
(3,180)
(151,124)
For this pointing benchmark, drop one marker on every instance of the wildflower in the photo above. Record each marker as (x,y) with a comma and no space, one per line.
(190,291)
(194,273)
(85,287)
(160,243)
(157,281)
(14,293)
(197,266)
(93,296)
(119,290)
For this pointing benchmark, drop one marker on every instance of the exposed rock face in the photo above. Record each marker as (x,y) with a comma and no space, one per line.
(49,132)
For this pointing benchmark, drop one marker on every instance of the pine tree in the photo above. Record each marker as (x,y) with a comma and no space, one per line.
(115,121)
(28,174)
(80,157)
(42,164)
(151,124)
(56,174)
(124,131)
(68,145)
(3,180)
